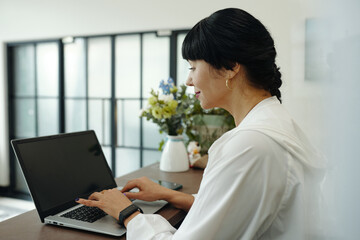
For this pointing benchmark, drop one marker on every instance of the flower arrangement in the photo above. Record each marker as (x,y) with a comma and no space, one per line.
(167,107)
(176,112)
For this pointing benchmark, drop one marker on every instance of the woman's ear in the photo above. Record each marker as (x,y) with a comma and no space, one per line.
(234,71)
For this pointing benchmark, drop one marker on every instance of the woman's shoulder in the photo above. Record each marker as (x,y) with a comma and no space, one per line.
(235,143)
(241,137)
(248,151)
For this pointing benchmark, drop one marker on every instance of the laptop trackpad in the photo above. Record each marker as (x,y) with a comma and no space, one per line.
(150,207)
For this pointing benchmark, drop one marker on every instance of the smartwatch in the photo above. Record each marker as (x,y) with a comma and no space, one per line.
(124,214)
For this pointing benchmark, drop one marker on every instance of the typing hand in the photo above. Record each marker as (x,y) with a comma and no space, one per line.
(148,190)
(110,201)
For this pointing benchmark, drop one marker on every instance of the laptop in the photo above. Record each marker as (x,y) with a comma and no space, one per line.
(60,168)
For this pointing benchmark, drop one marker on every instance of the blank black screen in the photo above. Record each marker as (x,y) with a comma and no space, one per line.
(61,169)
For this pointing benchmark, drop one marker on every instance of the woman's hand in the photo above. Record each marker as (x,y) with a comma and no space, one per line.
(148,190)
(110,201)
(114,201)
(151,191)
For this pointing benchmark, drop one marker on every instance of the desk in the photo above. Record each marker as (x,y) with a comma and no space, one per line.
(28,225)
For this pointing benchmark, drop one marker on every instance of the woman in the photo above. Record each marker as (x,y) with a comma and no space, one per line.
(256,183)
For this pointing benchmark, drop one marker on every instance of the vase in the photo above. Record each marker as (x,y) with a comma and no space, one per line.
(174,157)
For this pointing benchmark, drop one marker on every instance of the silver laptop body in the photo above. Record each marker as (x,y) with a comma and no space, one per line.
(105,225)
(60,168)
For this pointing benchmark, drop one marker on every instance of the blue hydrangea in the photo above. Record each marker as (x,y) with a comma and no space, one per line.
(166,85)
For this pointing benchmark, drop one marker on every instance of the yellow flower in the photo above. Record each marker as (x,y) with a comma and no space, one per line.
(157,112)
(172,104)
(167,112)
(174,89)
(152,100)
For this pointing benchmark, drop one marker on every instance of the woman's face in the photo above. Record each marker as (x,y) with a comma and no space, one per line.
(209,85)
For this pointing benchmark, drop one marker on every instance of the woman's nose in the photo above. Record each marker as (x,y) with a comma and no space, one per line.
(189,82)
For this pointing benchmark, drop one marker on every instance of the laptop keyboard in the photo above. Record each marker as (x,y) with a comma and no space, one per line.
(85,214)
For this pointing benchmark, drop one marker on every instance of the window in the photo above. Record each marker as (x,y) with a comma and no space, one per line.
(92,82)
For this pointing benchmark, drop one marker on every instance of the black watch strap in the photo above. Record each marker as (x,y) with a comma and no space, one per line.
(124,214)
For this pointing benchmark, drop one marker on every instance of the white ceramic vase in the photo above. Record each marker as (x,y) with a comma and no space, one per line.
(174,157)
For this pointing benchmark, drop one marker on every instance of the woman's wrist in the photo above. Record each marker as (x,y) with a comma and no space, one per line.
(167,194)
(128,219)
(180,200)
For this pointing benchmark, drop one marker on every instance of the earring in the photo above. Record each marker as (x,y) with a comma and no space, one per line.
(227,84)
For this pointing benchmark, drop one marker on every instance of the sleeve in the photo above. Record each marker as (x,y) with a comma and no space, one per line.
(149,226)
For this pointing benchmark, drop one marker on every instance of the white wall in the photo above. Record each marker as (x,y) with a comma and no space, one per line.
(343,116)
(35,19)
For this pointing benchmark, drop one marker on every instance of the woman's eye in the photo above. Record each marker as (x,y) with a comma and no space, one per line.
(191,68)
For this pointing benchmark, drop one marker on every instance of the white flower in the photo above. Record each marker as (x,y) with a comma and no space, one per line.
(166,98)
(142,111)
(193,147)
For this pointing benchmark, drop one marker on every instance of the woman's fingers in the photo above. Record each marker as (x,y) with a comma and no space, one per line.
(89,203)
(141,183)
(111,201)
(130,185)
(133,195)
(95,196)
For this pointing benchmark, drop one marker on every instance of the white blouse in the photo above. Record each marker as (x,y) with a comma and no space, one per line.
(257,185)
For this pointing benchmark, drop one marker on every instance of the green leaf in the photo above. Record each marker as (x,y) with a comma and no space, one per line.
(161,144)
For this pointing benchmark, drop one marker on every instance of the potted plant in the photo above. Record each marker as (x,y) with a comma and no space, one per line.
(179,114)
(167,108)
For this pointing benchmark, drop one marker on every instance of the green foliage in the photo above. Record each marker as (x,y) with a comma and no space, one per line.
(205,125)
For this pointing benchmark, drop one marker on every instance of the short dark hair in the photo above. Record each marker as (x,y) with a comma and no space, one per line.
(231,36)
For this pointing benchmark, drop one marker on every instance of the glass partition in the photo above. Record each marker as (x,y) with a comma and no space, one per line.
(24,70)
(128,66)
(156,59)
(33,96)
(74,68)
(99,67)
(92,82)
(47,69)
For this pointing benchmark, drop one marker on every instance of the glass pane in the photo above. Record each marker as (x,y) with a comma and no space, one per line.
(99,119)
(156,61)
(127,160)
(128,123)
(75,115)
(47,67)
(107,153)
(24,70)
(99,67)
(128,66)
(151,135)
(150,157)
(74,64)
(48,116)
(24,110)
(182,67)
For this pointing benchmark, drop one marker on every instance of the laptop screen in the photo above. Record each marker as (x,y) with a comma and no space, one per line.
(61,168)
